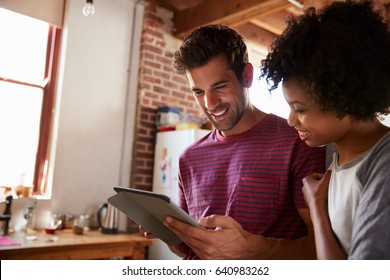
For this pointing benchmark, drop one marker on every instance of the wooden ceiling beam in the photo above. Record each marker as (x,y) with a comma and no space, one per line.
(229,12)
(265,25)
(256,35)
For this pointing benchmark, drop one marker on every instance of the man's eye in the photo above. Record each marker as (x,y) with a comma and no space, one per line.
(198,92)
(299,111)
(220,87)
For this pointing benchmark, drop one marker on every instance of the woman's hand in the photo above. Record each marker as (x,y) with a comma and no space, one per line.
(315,190)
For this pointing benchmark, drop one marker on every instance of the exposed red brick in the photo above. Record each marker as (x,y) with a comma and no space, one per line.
(171,85)
(153,33)
(145,86)
(157,104)
(147,124)
(159,85)
(178,94)
(146,71)
(180,79)
(148,110)
(138,178)
(190,98)
(169,69)
(144,171)
(145,102)
(162,74)
(152,49)
(185,103)
(161,44)
(151,95)
(148,180)
(148,55)
(161,90)
(153,65)
(169,100)
(151,79)
(140,163)
(142,131)
(164,60)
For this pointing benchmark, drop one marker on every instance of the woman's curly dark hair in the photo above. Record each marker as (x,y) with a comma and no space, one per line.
(340,55)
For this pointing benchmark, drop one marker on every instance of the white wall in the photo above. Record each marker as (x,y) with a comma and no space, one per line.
(95,110)
(46,10)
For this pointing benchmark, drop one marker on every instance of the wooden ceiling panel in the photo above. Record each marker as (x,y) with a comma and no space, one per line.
(230,12)
(275,22)
(259,21)
(256,35)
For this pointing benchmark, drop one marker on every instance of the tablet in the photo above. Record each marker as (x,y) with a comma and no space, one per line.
(149,209)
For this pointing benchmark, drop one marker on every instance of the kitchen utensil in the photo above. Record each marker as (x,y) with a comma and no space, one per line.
(108,218)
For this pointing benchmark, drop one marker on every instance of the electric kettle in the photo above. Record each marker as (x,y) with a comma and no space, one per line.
(108,218)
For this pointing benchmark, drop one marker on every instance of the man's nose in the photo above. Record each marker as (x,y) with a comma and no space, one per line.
(211,100)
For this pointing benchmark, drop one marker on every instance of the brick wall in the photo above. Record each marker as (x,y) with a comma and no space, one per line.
(158,86)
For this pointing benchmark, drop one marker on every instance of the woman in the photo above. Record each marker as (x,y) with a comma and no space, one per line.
(334,66)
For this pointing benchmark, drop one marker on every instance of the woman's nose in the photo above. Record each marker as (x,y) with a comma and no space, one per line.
(292,120)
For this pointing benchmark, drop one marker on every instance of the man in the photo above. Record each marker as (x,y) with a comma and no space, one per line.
(243,181)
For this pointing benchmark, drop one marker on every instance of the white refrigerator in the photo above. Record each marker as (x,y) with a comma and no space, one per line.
(169,146)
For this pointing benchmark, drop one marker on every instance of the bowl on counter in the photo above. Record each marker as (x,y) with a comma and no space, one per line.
(50,230)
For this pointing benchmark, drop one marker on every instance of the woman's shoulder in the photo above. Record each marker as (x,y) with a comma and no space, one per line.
(381,149)
(377,162)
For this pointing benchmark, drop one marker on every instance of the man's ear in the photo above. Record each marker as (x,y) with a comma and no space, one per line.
(247,75)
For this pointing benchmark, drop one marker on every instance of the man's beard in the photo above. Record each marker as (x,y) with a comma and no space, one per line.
(234,117)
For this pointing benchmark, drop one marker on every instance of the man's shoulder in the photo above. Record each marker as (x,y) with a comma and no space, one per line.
(201,143)
(280,126)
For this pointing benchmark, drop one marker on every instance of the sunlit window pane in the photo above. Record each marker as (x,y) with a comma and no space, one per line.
(262,99)
(20,108)
(23,47)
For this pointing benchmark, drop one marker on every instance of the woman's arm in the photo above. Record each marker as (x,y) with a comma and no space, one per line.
(315,190)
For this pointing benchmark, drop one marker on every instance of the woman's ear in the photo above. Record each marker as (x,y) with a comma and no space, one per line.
(247,75)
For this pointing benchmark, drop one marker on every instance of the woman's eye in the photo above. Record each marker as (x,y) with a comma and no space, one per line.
(299,111)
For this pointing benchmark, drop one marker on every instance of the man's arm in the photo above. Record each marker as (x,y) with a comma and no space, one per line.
(224,238)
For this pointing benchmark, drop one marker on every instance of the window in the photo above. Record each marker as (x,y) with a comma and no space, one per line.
(28,55)
(273,102)
(260,97)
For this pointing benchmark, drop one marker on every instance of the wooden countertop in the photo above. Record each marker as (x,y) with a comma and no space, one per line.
(65,245)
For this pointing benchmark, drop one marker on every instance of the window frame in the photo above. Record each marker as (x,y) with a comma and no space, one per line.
(40,186)
(49,89)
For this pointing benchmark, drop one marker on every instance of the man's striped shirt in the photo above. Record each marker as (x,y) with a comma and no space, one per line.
(255,177)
